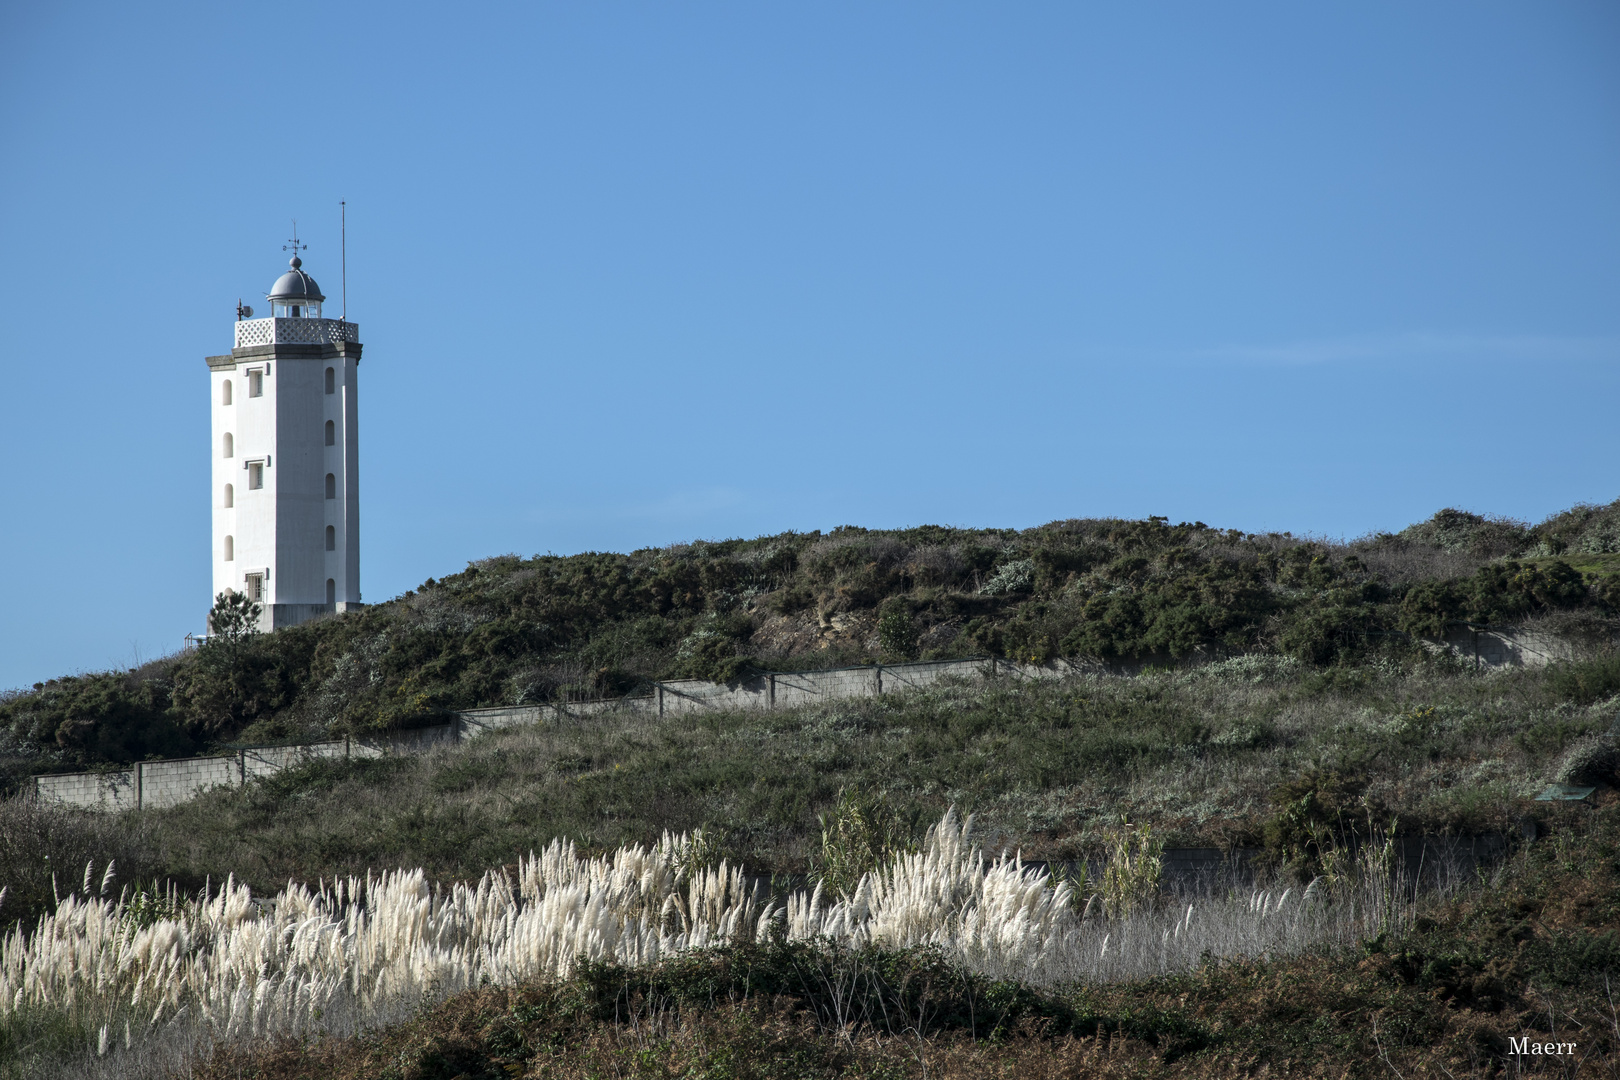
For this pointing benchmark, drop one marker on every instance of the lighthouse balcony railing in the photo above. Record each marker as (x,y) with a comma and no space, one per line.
(294,332)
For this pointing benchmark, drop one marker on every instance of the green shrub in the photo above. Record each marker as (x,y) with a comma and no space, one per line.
(897,630)
(861,833)
(1586,681)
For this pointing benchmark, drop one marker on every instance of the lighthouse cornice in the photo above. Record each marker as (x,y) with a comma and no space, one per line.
(332,351)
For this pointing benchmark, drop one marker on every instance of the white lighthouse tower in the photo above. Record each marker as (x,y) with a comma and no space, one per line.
(286,476)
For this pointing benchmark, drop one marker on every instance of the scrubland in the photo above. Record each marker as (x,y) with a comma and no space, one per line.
(858,940)
(1255,752)
(799,892)
(510,630)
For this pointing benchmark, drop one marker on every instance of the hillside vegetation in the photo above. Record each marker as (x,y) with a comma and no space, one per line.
(512,630)
(1312,727)
(1530,956)
(1255,752)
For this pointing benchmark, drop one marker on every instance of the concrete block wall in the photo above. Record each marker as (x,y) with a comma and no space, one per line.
(165,783)
(476,721)
(266,760)
(98,791)
(1508,647)
(414,741)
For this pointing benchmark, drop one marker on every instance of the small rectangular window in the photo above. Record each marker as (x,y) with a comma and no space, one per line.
(255,384)
(255,471)
(255,587)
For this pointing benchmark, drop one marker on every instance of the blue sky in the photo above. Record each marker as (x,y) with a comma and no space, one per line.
(633,274)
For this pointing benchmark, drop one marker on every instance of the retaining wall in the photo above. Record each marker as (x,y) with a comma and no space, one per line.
(165,783)
(99,791)
(151,784)
(1508,647)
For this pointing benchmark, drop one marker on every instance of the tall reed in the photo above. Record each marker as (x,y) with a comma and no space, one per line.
(358,953)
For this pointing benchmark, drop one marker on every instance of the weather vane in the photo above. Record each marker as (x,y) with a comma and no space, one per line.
(293,245)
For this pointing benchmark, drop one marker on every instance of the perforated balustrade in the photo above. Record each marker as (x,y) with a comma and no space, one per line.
(295,332)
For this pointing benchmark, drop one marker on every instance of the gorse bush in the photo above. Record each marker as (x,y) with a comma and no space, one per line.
(897,631)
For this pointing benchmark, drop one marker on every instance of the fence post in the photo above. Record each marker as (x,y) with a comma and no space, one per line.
(879,674)
(241,767)
(772,678)
(140,783)
(660,688)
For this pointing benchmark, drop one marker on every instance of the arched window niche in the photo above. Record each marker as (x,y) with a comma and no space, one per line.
(331,382)
(331,433)
(225,392)
(331,486)
(331,538)
(230,549)
(230,496)
(230,445)
(331,591)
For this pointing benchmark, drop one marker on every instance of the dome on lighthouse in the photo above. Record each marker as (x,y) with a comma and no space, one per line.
(295,287)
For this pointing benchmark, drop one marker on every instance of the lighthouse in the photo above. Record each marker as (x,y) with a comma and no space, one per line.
(285,448)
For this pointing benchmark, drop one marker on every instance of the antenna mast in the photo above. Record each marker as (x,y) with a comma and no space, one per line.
(343,209)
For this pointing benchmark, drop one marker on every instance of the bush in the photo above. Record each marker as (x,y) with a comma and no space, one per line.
(1586,681)
(1589,761)
(861,833)
(897,631)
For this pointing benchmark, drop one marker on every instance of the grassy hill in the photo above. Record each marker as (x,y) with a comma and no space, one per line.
(1249,752)
(1312,721)
(512,630)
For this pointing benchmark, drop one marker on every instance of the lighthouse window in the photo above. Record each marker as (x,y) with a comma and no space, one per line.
(230,445)
(331,591)
(255,384)
(255,586)
(230,496)
(230,548)
(331,538)
(225,392)
(331,486)
(331,381)
(331,433)
(255,475)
